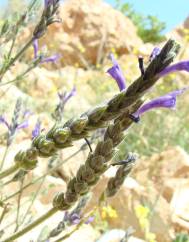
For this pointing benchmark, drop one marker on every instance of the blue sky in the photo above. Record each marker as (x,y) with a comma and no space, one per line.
(173,12)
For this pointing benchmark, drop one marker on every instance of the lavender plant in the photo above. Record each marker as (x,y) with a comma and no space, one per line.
(115,116)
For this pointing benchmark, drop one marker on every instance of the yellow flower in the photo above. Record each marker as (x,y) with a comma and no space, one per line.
(113,51)
(53,89)
(186,38)
(135,51)
(98,66)
(186,31)
(151,237)
(76,65)
(144,223)
(108,212)
(81,48)
(142,211)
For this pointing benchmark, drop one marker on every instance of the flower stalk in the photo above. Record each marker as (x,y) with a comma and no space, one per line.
(89,174)
(62,136)
(31,226)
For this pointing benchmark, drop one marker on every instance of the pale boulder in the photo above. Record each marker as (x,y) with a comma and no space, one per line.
(89,31)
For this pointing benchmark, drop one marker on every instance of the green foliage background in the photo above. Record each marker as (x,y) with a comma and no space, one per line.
(149,27)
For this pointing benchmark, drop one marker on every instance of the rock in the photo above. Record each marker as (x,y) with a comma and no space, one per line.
(85,233)
(180,204)
(89,31)
(116,235)
(134,239)
(10,94)
(125,202)
(171,163)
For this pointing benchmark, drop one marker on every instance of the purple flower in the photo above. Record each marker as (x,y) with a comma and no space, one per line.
(74,218)
(48,3)
(154,53)
(166,101)
(52,58)
(37,129)
(3,121)
(116,72)
(22,125)
(27,113)
(64,97)
(43,59)
(180,66)
(90,220)
(35,48)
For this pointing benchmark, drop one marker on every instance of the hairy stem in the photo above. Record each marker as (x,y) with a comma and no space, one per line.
(9,171)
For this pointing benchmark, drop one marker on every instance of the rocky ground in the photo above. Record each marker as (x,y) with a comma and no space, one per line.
(89,31)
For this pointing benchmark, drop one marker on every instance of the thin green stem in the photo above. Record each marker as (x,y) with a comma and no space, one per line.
(3,213)
(19,77)
(33,199)
(31,226)
(20,53)
(70,233)
(18,207)
(4,157)
(13,43)
(32,4)
(25,203)
(17,56)
(9,171)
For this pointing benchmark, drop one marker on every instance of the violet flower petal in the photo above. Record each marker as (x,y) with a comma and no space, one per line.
(155,52)
(76,221)
(27,113)
(74,218)
(23,125)
(52,58)
(36,48)
(180,66)
(69,95)
(3,121)
(90,220)
(37,129)
(48,2)
(116,72)
(166,101)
